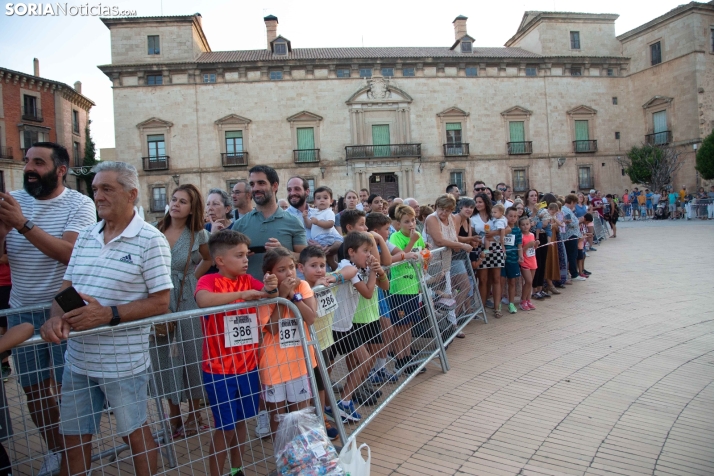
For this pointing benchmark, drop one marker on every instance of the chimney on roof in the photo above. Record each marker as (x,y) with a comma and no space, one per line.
(460,27)
(78,87)
(36,67)
(271,27)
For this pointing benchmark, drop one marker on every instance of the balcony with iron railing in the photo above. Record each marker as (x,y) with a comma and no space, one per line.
(32,114)
(234,159)
(158,162)
(6,153)
(382,151)
(659,138)
(301,156)
(456,149)
(520,148)
(584,146)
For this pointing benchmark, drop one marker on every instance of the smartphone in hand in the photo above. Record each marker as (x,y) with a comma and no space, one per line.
(69,299)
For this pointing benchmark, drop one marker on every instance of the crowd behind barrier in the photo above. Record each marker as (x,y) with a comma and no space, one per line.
(277,308)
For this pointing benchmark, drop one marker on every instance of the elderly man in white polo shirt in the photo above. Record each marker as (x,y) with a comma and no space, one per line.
(121,268)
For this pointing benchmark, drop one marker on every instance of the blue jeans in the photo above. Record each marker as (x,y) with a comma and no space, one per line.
(571,250)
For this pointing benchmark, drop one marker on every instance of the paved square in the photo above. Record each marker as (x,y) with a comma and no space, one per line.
(614,376)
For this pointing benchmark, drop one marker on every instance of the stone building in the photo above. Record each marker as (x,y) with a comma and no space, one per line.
(35,109)
(551,110)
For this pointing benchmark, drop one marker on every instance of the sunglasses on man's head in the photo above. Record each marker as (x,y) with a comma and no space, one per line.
(503,189)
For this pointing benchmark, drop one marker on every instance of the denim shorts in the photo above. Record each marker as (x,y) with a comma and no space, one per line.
(83,402)
(33,363)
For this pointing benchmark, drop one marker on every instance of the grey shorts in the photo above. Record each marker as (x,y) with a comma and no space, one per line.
(83,399)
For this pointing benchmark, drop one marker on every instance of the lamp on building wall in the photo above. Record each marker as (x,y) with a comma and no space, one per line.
(561,162)
(322,171)
(176,178)
(442,166)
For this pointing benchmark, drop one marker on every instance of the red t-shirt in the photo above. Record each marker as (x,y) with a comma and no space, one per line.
(217,358)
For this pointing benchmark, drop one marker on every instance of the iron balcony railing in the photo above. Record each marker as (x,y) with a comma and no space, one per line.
(6,153)
(378,151)
(457,149)
(234,159)
(582,146)
(659,138)
(306,155)
(520,148)
(32,114)
(158,162)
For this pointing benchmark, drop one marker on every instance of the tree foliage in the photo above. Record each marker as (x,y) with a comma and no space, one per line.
(653,166)
(705,158)
(90,159)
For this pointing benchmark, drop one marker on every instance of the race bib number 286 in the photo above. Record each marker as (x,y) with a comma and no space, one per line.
(326,302)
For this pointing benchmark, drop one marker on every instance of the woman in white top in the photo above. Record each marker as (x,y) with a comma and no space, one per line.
(489,272)
(439,231)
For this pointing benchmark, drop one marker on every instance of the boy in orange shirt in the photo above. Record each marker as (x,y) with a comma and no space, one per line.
(230,346)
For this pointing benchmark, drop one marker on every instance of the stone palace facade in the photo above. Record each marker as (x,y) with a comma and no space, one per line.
(551,110)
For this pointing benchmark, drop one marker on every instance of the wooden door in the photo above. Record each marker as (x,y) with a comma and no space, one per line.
(384,185)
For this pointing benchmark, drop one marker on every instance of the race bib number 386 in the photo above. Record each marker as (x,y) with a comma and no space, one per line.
(289,335)
(241,329)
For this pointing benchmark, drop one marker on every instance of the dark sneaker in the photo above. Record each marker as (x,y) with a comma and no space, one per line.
(6,371)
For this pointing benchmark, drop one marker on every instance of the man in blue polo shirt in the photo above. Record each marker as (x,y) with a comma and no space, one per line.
(268,225)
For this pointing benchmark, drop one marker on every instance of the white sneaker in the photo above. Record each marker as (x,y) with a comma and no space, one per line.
(579,278)
(51,464)
(262,429)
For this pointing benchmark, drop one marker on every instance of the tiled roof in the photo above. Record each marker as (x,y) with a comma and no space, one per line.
(349,53)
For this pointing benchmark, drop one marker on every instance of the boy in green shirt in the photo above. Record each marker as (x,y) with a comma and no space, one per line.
(404,288)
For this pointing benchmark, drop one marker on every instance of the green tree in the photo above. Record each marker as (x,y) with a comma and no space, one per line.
(653,166)
(705,158)
(90,160)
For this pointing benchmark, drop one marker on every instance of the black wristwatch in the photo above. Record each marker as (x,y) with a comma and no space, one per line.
(273,291)
(115,316)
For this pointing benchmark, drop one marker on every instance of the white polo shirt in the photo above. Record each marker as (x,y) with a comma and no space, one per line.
(130,267)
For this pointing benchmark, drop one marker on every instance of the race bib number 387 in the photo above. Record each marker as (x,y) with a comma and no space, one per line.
(241,329)
(289,335)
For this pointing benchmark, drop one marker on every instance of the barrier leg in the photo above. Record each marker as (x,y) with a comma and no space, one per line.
(426,296)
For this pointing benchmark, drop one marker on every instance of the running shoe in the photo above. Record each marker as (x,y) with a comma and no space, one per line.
(330,430)
(381,376)
(539,296)
(50,464)
(512,308)
(583,275)
(348,412)
(585,271)
(579,278)
(592,248)
(504,300)
(489,303)
(531,307)
(6,371)
(524,306)
(262,429)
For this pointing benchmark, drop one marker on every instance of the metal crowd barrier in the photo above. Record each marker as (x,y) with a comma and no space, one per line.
(181,452)
(368,365)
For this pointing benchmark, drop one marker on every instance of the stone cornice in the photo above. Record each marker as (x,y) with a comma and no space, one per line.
(565,17)
(67,91)
(680,10)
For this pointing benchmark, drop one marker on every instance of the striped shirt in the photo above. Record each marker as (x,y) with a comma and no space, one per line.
(129,268)
(36,277)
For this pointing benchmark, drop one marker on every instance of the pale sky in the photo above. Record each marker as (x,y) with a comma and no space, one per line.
(70,48)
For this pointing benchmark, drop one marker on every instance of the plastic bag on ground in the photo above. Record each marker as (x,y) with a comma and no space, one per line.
(351,459)
(302,446)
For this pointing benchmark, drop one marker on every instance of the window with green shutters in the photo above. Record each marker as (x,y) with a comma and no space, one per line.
(517,132)
(453,138)
(380,137)
(660,127)
(234,143)
(582,136)
(306,144)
